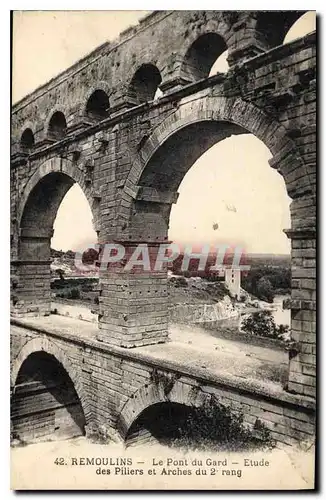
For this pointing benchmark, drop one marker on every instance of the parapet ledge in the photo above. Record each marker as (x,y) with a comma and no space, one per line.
(147,355)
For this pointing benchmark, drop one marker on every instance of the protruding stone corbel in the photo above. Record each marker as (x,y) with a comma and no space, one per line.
(294,133)
(96,194)
(301,234)
(72,153)
(153,195)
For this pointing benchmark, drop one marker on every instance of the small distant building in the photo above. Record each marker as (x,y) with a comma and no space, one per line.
(233,281)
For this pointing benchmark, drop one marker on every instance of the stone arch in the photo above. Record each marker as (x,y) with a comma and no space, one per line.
(53,165)
(151,394)
(96,87)
(57,127)
(306,21)
(229,110)
(201,56)
(38,204)
(27,124)
(151,186)
(175,61)
(43,344)
(27,140)
(144,83)
(272,26)
(58,108)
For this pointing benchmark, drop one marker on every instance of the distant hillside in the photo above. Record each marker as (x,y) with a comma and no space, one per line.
(65,261)
(63,264)
(267,259)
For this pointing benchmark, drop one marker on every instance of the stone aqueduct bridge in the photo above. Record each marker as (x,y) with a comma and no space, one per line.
(97,124)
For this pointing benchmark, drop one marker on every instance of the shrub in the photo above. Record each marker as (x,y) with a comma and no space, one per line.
(215,424)
(260,323)
(74,293)
(265,290)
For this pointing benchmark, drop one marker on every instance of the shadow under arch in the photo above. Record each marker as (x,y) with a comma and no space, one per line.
(57,127)
(45,345)
(273,26)
(47,393)
(201,56)
(152,394)
(144,84)
(27,140)
(303,25)
(98,105)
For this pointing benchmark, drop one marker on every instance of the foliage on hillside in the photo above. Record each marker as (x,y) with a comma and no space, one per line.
(263,324)
(268,276)
(265,282)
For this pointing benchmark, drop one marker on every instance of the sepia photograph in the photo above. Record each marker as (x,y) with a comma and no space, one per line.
(163,250)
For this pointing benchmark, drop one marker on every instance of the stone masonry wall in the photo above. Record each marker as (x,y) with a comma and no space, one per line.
(40,412)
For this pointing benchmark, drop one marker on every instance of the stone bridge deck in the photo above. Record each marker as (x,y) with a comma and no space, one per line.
(189,350)
(242,377)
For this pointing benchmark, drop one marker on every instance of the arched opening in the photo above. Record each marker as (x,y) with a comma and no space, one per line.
(42,205)
(57,128)
(228,195)
(144,84)
(202,55)
(302,26)
(74,290)
(27,140)
(40,263)
(214,143)
(97,107)
(45,404)
(211,426)
(272,26)
(235,188)
(242,205)
(73,226)
(160,423)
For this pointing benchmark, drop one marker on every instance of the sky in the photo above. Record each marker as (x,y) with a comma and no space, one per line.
(229,195)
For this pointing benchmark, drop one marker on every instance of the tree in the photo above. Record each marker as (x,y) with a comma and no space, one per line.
(260,323)
(265,290)
(90,256)
(279,278)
